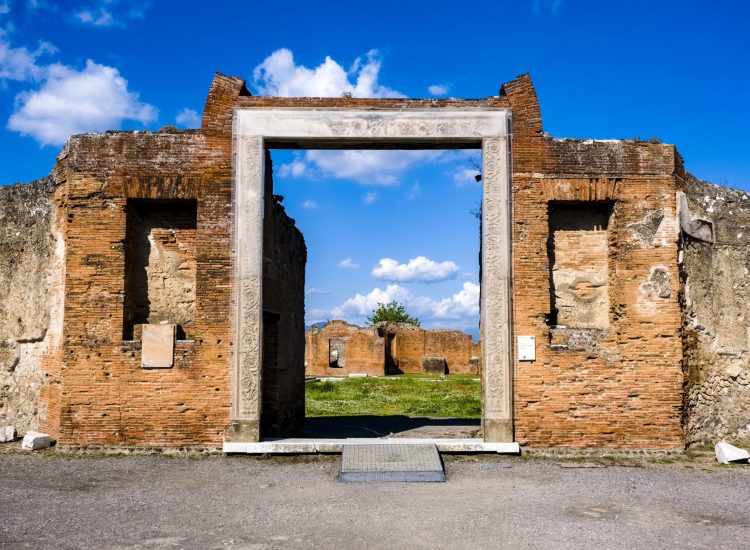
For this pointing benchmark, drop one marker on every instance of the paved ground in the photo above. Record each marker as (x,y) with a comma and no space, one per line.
(392,426)
(154,502)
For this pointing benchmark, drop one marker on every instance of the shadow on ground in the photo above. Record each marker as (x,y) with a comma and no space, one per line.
(338,427)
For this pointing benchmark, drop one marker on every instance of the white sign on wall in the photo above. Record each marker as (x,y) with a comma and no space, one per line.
(526,348)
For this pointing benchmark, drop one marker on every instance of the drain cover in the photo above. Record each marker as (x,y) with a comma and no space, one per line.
(391,462)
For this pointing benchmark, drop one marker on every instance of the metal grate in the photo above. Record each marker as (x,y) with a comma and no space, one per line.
(391,462)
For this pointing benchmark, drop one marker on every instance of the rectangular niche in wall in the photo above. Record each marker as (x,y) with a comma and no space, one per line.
(577,249)
(160,265)
(337,353)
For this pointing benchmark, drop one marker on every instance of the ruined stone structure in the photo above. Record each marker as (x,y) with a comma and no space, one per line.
(717,321)
(168,249)
(339,348)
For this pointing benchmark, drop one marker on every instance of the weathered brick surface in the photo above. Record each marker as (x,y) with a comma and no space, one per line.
(388,348)
(365,350)
(620,387)
(105,397)
(616,384)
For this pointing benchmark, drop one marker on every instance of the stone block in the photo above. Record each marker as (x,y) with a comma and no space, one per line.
(33,441)
(726,453)
(158,346)
(474,365)
(7,433)
(433,365)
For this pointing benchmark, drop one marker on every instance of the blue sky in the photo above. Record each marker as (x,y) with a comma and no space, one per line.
(675,70)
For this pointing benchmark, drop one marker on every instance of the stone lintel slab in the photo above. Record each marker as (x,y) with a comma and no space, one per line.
(345,128)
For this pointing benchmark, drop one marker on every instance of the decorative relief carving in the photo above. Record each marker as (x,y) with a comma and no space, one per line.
(374,127)
(396,124)
(495,277)
(248,271)
(249,347)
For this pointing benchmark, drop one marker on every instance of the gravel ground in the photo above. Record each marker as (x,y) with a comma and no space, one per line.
(488,502)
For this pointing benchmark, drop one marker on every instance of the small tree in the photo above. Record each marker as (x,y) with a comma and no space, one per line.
(392,312)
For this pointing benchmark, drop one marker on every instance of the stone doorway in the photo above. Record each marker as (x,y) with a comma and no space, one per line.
(257,130)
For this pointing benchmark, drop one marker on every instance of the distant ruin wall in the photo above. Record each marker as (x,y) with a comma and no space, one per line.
(31,263)
(339,349)
(717,318)
(364,349)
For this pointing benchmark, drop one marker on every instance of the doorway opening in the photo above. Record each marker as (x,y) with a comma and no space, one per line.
(261,264)
(392,346)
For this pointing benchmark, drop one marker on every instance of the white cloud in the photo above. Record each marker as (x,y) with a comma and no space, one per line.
(361,305)
(110,13)
(95,17)
(370,197)
(188,118)
(438,89)
(279,75)
(459,309)
(382,168)
(348,263)
(310,204)
(21,63)
(315,291)
(464,303)
(466,176)
(416,269)
(294,169)
(4,8)
(69,101)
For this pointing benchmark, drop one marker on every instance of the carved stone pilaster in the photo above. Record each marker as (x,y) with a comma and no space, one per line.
(248,259)
(496,266)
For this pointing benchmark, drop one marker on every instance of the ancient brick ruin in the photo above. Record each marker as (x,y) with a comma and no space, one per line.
(339,348)
(153,287)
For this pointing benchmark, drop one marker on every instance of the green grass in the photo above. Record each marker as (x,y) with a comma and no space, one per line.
(453,397)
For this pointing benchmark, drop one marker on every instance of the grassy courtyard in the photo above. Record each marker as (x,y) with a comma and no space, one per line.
(456,396)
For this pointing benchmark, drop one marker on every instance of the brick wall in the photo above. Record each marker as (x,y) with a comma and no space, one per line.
(365,350)
(105,397)
(614,385)
(620,386)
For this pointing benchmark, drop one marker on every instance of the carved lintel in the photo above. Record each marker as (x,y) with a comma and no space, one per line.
(399,125)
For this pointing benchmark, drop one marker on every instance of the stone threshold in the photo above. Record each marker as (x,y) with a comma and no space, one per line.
(314,446)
